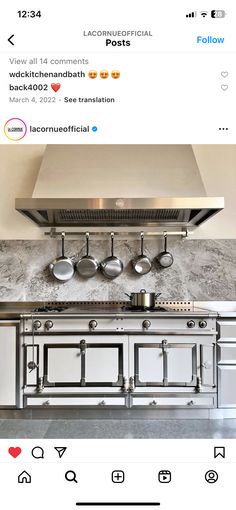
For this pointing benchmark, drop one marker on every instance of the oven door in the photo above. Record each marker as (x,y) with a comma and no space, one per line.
(163,362)
(87,362)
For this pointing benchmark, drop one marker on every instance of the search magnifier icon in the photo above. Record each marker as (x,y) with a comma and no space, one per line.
(70,476)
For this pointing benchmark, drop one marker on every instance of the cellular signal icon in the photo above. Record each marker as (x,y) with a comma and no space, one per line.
(191,14)
(204,13)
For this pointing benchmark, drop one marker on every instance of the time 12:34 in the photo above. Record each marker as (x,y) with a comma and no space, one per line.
(29,14)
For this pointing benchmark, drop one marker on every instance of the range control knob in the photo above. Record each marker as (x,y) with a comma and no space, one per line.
(37,324)
(191,324)
(202,324)
(93,324)
(146,324)
(48,325)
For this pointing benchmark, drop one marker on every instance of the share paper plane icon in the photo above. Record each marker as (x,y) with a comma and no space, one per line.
(60,450)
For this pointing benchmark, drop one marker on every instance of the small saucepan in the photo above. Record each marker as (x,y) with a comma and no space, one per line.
(143,299)
(165,258)
(111,267)
(141,264)
(62,268)
(87,266)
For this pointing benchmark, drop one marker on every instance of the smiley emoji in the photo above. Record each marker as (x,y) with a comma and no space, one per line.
(115,74)
(104,74)
(92,74)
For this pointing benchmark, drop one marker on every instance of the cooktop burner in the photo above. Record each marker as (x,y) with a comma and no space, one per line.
(130,308)
(115,309)
(50,309)
(125,308)
(112,308)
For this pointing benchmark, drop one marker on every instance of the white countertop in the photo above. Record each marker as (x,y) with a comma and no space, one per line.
(224,308)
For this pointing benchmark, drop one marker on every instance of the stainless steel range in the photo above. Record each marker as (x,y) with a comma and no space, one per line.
(110,355)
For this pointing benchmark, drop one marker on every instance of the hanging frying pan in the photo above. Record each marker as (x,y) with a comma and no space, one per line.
(62,268)
(112,267)
(141,264)
(87,266)
(165,258)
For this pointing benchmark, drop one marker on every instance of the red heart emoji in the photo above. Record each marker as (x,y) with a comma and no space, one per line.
(55,86)
(14,451)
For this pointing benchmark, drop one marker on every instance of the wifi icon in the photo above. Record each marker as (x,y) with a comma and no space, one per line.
(203,13)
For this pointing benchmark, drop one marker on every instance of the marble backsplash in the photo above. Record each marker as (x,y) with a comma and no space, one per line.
(202,270)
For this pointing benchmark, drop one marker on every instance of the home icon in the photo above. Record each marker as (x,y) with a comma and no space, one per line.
(24,477)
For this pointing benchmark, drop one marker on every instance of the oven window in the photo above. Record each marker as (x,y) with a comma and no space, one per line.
(170,364)
(83,365)
(102,364)
(64,364)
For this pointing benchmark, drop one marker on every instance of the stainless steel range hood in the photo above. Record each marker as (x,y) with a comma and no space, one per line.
(116,185)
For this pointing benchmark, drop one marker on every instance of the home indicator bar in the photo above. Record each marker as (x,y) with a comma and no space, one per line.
(119,504)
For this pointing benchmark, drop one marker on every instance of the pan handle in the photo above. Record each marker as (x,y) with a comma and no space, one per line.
(130,297)
(157,295)
(112,244)
(165,242)
(87,244)
(141,239)
(63,235)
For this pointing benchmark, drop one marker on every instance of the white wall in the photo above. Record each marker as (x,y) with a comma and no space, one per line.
(18,171)
(217,164)
(19,167)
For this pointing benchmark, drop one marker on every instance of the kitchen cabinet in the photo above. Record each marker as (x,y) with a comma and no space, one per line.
(227,386)
(8,364)
(226,361)
(226,330)
(227,353)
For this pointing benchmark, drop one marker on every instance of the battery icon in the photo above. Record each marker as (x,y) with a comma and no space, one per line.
(218,14)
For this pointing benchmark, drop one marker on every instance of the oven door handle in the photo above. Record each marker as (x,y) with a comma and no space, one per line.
(82,345)
(165,351)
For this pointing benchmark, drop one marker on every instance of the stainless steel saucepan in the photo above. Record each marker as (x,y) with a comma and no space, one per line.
(62,268)
(111,267)
(141,264)
(143,299)
(165,258)
(87,266)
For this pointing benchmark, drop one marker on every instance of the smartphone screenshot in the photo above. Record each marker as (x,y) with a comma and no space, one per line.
(117,255)
(102,72)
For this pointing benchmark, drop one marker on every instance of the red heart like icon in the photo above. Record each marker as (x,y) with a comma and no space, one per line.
(14,451)
(55,86)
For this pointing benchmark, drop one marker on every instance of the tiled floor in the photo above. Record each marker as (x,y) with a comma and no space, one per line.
(24,429)
(126,429)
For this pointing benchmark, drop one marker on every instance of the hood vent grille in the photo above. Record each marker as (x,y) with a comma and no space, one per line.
(111,216)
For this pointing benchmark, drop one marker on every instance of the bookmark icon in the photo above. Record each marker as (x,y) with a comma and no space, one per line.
(219,451)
